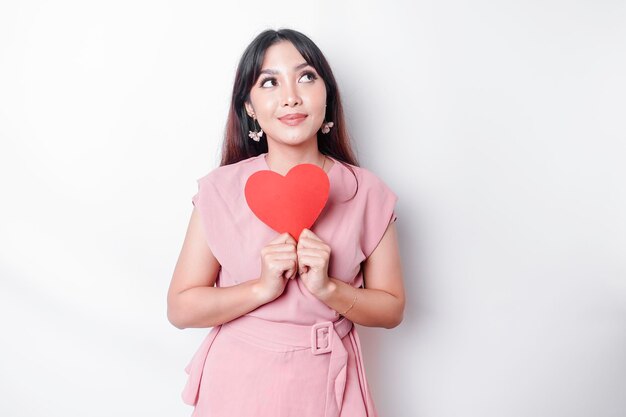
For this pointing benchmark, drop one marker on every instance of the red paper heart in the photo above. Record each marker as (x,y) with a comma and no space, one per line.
(288,203)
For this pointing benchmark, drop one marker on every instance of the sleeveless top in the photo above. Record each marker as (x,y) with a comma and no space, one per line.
(351,224)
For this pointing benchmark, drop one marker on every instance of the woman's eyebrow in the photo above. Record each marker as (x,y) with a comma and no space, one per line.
(273,71)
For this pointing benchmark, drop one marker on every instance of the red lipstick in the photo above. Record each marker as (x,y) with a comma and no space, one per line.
(292,119)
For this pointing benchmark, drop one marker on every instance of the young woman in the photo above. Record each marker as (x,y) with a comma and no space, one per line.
(282,341)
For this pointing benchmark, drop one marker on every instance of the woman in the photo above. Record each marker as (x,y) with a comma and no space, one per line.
(283,341)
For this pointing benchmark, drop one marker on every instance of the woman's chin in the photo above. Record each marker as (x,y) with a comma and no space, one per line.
(295,139)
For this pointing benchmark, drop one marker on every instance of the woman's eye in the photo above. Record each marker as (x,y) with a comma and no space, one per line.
(310,75)
(265,81)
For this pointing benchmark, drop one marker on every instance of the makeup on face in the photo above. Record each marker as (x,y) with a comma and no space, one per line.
(289,96)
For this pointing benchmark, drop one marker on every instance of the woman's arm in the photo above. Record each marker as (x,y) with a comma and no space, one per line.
(381,303)
(192,299)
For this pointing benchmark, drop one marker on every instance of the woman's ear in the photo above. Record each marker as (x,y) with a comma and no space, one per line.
(249,108)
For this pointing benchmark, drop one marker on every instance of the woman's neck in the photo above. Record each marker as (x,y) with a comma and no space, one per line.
(282,161)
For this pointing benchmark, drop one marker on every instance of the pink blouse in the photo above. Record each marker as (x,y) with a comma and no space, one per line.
(352,227)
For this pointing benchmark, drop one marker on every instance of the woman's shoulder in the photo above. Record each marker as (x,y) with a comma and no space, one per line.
(231,173)
(366,177)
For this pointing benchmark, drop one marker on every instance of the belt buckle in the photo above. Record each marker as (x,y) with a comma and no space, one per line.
(322,337)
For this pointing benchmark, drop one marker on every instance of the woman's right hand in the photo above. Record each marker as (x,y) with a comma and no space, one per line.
(279,263)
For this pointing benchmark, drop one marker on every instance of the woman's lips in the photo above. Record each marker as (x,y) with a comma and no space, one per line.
(293,119)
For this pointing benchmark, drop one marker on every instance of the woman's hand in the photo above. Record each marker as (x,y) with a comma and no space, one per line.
(279,262)
(313,256)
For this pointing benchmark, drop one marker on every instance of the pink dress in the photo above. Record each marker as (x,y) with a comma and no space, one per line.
(294,356)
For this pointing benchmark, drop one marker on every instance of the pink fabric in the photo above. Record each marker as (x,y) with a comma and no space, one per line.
(240,372)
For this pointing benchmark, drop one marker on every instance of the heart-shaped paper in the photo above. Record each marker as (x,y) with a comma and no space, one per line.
(288,203)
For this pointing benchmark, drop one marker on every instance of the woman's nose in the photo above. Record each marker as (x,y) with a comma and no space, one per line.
(291,96)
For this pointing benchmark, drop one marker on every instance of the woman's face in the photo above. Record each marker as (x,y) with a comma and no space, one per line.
(287,85)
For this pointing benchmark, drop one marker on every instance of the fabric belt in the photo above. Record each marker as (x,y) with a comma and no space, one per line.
(322,338)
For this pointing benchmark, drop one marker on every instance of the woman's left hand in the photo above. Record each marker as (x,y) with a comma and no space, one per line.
(313,257)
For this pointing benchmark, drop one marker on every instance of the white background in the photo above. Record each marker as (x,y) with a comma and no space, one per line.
(499,124)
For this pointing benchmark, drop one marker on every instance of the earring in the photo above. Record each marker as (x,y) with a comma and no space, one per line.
(256,136)
(326,127)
